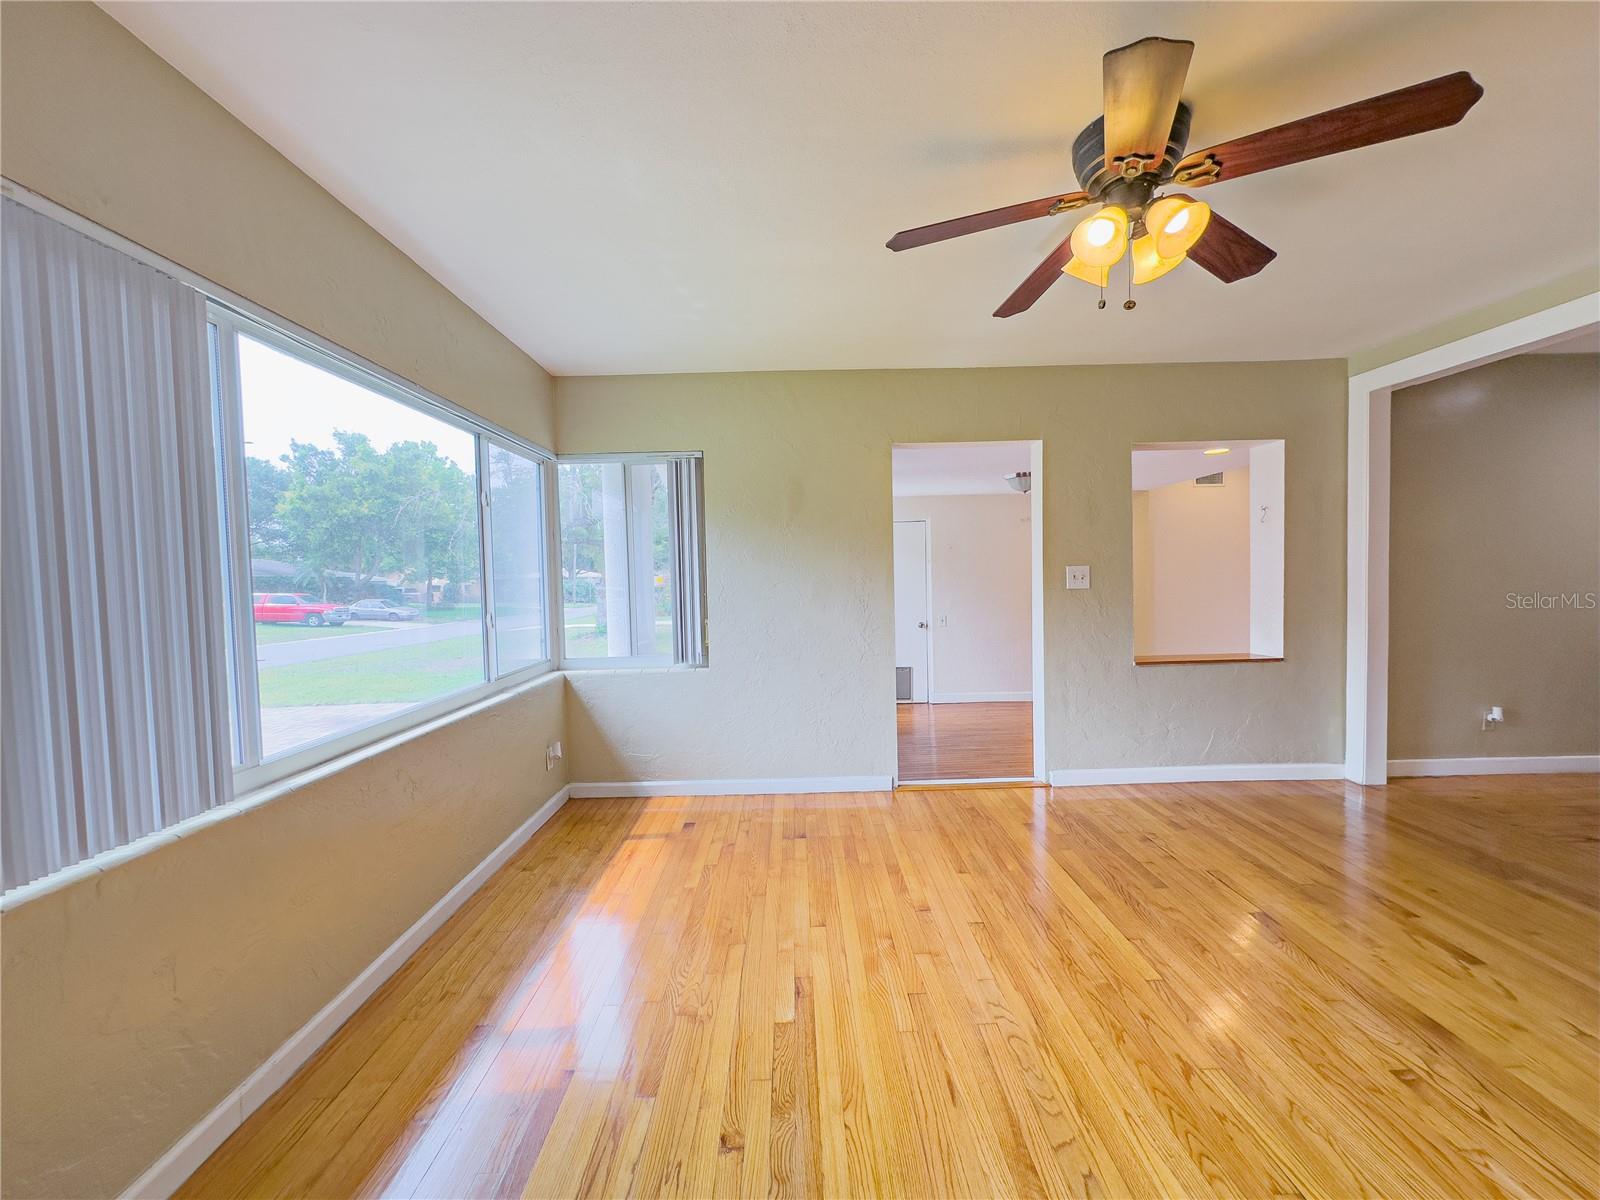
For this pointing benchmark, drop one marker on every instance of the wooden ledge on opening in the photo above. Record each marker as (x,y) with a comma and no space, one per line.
(1161,660)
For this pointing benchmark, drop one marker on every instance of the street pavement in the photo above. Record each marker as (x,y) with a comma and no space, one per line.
(375,636)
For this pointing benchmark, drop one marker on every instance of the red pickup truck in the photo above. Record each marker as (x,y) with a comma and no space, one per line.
(298,609)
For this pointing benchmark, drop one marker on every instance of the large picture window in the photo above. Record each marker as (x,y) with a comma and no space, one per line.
(363,521)
(273,552)
(631,583)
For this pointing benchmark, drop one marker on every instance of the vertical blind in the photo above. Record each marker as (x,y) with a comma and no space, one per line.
(689,566)
(113,676)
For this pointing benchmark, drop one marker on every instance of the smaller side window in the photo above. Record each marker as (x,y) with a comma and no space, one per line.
(630,576)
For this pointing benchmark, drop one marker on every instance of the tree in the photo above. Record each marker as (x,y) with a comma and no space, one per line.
(436,513)
(267,483)
(335,512)
(582,529)
(355,511)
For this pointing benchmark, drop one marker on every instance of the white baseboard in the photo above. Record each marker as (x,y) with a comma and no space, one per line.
(1021,781)
(980,697)
(169,1171)
(1199,773)
(1547,764)
(734,787)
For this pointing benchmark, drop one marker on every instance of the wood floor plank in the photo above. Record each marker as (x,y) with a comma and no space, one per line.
(1297,989)
(980,740)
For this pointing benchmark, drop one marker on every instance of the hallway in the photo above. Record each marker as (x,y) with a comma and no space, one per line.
(965,741)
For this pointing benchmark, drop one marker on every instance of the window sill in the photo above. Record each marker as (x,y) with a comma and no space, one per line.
(1165,660)
(246,800)
(635,665)
(300,761)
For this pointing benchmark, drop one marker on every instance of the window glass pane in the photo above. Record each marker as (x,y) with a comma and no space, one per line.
(595,605)
(653,481)
(224,523)
(364,550)
(516,522)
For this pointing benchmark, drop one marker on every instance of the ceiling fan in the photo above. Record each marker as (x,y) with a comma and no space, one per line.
(1122,159)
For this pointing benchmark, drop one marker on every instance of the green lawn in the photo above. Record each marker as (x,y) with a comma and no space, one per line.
(447,612)
(403,674)
(583,641)
(268,632)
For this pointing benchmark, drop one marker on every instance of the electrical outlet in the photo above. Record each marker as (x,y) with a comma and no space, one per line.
(1077,577)
(552,755)
(1494,715)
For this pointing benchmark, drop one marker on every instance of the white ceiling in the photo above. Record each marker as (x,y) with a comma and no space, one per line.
(708,187)
(957,468)
(1157,466)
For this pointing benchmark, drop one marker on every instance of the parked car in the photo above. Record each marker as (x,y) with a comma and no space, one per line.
(290,608)
(382,610)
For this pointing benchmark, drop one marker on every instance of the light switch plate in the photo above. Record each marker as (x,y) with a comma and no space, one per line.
(1077,577)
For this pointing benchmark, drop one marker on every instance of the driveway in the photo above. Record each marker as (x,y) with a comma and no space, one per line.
(384,637)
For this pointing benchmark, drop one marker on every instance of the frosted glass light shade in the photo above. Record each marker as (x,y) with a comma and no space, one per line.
(1101,240)
(1147,264)
(1078,269)
(1176,224)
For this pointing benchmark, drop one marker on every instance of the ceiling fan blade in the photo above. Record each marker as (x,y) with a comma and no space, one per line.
(1228,252)
(1143,83)
(1416,109)
(1036,284)
(993,219)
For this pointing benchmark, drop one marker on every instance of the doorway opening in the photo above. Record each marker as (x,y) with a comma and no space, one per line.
(1368,534)
(968,611)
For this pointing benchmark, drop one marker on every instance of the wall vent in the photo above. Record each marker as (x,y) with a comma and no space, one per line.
(1212,480)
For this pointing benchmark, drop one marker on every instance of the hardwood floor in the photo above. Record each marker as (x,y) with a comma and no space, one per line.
(1243,990)
(965,741)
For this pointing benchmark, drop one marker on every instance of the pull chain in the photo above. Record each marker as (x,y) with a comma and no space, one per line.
(1130,301)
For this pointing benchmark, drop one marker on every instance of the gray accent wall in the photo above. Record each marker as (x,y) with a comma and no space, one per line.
(1495,528)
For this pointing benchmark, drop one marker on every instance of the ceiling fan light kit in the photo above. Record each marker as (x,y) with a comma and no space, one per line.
(1177,223)
(1078,269)
(1148,262)
(1100,240)
(1124,157)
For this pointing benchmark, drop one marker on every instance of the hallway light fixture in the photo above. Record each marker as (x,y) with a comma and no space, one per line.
(1020,481)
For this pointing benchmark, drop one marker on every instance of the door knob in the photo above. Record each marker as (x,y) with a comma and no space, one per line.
(922,624)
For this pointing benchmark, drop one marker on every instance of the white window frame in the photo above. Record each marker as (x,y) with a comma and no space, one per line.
(545,463)
(252,769)
(640,601)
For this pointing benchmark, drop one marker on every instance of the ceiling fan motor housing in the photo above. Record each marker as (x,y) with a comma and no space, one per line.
(1100,180)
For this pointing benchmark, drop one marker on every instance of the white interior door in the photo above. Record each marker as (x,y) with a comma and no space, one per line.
(911,603)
